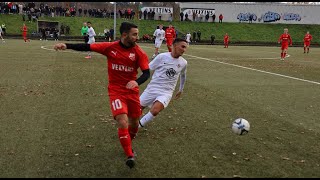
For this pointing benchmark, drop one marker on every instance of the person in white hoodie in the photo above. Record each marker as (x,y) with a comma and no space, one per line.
(91,34)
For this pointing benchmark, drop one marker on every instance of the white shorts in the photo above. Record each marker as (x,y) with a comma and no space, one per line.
(158,43)
(91,40)
(147,99)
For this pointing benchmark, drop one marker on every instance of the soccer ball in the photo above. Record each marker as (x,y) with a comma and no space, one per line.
(240,126)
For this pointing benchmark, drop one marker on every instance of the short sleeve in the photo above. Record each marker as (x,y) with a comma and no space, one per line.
(100,47)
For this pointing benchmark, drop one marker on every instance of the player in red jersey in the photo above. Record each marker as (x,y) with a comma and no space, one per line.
(226,40)
(285,40)
(24,30)
(170,35)
(307,40)
(124,59)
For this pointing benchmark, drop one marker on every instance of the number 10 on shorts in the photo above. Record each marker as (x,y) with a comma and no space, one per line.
(116,104)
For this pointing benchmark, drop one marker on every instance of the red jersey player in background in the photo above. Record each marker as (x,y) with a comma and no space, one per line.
(226,40)
(285,40)
(124,59)
(306,42)
(24,30)
(170,35)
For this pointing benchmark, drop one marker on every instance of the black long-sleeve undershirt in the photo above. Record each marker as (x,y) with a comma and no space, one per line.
(86,47)
(144,76)
(79,47)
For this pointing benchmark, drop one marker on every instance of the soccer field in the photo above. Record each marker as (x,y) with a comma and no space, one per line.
(56,121)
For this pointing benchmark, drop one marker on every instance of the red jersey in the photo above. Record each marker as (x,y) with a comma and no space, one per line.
(307,38)
(285,39)
(226,38)
(24,29)
(123,64)
(170,33)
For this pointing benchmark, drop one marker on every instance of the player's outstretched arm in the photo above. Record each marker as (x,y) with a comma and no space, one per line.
(77,47)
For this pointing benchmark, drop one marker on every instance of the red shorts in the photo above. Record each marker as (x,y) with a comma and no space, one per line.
(284,46)
(169,41)
(125,104)
(24,34)
(307,43)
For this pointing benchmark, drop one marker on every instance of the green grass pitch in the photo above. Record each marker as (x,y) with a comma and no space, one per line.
(56,122)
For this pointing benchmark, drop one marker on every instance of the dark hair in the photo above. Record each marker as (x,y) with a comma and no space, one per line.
(125,27)
(177,40)
(88,22)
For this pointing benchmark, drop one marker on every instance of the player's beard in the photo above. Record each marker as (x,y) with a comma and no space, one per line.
(131,43)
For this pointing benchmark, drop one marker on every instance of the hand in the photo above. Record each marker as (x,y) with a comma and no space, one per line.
(60,46)
(178,95)
(278,42)
(132,84)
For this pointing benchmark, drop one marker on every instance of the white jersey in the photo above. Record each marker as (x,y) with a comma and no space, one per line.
(188,37)
(91,35)
(159,34)
(166,73)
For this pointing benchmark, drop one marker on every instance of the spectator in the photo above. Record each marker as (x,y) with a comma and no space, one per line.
(85,12)
(67,30)
(194,35)
(186,17)
(145,14)
(181,16)
(55,34)
(194,15)
(140,14)
(250,18)
(152,15)
(212,39)
(111,34)
(107,34)
(199,35)
(80,11)
(207,17)
(160,16)
(214,18)
(220,18)
(43,34)
(62,29)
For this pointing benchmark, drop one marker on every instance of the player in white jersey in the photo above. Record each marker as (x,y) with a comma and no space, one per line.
(159,35)
(91,34)
(167,68)
(188,38)
(1,32)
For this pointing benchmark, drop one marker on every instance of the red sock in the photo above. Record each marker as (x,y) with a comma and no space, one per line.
(281,55)
(133,132)
(284,55)
(304,49)
(308,49)
(125,141)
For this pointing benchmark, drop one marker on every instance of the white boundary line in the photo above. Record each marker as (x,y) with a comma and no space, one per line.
(276,74)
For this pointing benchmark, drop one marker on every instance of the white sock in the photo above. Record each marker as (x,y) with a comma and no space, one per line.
(145,119)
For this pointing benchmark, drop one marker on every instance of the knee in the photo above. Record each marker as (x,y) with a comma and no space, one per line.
(122,123)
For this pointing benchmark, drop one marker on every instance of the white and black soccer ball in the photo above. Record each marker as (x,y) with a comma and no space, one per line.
(240,126)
